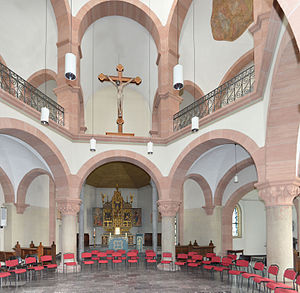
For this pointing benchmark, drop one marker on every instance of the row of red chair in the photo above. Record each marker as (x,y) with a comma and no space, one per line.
(14,270)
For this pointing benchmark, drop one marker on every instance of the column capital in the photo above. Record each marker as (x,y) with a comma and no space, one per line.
(168,208)
(278,193)
(21,207)
(68,206)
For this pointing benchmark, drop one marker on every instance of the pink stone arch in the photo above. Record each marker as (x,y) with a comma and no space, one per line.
(2,60)
(41,76)
(204,143)
(227,177)
(121,156)
(193,89)
(135,10)
(8,190)
(206,191)
(44,146)
(227,214)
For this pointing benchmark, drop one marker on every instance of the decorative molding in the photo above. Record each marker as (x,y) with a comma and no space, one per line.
(21,207)
(259,20)
(68,206)
(168,208)
(209,209)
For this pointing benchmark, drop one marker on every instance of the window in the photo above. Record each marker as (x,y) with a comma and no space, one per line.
(237,222)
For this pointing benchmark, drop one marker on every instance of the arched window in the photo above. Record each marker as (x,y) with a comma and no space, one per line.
(237,222)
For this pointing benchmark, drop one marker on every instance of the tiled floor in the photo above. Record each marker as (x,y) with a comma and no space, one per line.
(132,280)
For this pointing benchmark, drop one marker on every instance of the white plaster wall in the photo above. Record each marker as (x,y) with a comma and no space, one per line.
(298,154)
(222,158)
(253,239)
(38,192)
(1,229)
(187,100)
(245,176)
(295,222)
(193,197)
(212,57)
(22,40)
(47,88)
(104,116)
(120,45)
(160,8)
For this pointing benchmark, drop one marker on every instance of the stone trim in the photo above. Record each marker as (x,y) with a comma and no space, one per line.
(68,206)
(168,208)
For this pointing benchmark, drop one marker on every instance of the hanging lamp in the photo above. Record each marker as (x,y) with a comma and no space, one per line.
(93,141)
(236,178)
(70,58)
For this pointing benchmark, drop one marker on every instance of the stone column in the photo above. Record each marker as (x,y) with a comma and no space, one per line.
(69,209)
(279,200)
(154,215)
(168,210)
(81,222)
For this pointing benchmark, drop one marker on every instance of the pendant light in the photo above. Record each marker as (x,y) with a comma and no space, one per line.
(150,143)
(195,119)
(236,178)
(70,58)
(178,69)
(44,110)
(93,140)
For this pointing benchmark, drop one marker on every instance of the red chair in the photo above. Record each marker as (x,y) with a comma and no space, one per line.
(232,256)
(47,263)
(196,261)
(123,254)
(151,258)
(87,259)
(109,253)
(208,258)
(12,267)
(69,261)
(225,265)
(102,259)
(215,261)
(258,267)
(272,273)
(32,266)
(289,274)
(95,255)
(131,258)
(136,254)
(181,259)
(284,290)
(241,266)
(4,276)
(190,256)
(116,258)
(167,259)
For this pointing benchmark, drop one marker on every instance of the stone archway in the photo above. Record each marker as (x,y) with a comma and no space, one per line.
(7,187)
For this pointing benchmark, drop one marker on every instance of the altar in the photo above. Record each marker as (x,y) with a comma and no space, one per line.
(117,243)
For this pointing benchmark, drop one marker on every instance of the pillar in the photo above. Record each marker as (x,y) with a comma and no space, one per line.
(154,215)
(279,200)
(81,222)
(168,210)
(69,209)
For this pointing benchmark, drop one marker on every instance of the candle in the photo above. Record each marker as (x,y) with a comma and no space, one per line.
(94,232)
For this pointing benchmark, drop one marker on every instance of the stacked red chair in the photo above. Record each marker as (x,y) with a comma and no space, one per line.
(12,267)
(259,268)
(181,260)
(102,259)
(87,260)
(272,276)
(225,265)
(241,266)
(167,259)
(131,259)
(288,275)
(47,263)
(32,266)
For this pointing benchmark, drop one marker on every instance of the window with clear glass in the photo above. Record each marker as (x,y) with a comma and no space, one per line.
(236,222)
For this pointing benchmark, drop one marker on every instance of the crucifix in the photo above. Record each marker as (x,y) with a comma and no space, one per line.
(119,82)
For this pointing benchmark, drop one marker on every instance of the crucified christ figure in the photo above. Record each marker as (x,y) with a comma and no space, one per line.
(120,96)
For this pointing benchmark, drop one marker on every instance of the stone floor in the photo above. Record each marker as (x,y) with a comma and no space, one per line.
(121,280)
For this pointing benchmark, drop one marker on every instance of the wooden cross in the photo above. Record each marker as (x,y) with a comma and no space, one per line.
(119,82)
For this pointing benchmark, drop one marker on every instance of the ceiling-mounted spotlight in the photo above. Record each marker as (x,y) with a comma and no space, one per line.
(178,77)
(236,179)
(150,148)
(195,124)
(70,66)
(45,115)
(93,144)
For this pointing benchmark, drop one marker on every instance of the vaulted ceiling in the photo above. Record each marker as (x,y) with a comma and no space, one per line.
(124,174)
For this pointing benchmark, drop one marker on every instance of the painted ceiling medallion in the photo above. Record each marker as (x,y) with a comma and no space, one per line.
(230,18)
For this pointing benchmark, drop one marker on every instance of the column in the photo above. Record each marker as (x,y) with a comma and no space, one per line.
(168,210)
(154,215)
(279,200)
(81,222)
(69,209)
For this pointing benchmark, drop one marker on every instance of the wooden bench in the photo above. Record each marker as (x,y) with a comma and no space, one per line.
(201,250)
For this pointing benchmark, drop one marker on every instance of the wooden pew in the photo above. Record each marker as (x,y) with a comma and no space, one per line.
(202,250)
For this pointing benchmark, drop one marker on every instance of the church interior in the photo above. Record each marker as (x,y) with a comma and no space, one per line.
(145,125)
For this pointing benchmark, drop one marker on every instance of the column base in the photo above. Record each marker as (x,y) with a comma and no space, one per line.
(167,267)
(70,270)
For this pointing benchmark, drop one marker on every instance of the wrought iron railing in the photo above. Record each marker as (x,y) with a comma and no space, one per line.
(27,93)
(239,86)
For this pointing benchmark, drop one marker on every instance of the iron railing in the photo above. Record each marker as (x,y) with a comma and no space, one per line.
(27,93)
(239,86)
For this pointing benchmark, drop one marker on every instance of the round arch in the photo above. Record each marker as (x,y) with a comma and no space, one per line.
(114,156)
(39,77)
(7,187)
(202,144)
(193,89)
(44,146)
(138,12)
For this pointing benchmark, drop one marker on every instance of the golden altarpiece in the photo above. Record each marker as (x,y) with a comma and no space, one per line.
(117,217)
